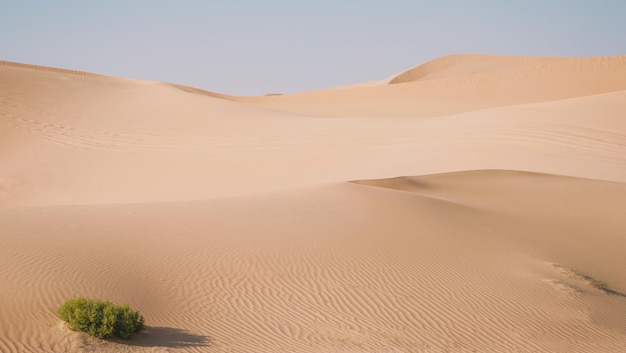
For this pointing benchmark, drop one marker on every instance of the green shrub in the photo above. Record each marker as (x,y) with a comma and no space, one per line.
(599,284)
(101,318)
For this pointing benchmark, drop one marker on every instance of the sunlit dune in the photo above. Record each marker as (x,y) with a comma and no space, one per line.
(463,205)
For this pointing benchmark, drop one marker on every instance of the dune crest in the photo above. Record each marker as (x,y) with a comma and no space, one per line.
(49,69)
(458,65)
(462,65)
(461,83)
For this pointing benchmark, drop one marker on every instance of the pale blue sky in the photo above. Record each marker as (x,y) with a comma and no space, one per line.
(257,47)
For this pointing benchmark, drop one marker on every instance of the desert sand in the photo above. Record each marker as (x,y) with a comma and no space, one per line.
(464,205)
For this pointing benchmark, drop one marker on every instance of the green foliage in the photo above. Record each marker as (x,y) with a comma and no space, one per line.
(601,285)
(128,322)
(101,318)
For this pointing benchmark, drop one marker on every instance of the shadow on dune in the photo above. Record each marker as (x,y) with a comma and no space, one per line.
(614,292)
(168,337)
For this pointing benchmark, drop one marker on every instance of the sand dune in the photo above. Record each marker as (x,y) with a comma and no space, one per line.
(462,83)
(338,267)
(488,192)
(468,65)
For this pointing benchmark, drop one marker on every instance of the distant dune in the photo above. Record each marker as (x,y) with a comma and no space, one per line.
(462,205)
(461,83)
(463,65)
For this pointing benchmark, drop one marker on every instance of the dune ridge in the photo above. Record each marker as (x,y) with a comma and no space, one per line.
(465,206)
(456,65)
(49,69)
(462,83)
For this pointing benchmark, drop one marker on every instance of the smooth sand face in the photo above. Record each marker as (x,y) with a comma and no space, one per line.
(488,192)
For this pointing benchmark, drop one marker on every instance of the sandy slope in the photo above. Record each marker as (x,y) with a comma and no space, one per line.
(229,223)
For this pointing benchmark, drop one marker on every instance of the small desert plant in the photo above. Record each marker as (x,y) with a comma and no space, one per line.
(101,318)
(599,284)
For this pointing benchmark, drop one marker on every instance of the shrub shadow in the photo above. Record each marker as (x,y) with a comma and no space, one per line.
(614,292)
(167,337)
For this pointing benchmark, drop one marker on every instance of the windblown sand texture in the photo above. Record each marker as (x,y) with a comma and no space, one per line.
(463,205)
